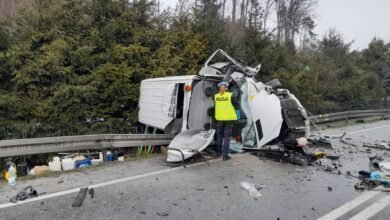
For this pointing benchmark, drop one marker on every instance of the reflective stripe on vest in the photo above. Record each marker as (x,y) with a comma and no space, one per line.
(224,109)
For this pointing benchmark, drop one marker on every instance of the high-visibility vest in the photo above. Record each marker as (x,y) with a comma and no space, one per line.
(224,109)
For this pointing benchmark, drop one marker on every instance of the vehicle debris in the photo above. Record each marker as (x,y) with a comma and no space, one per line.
(381,146)
(346,142)
(80,197)
(377,175)
(199,189)
(162,214)
(251,189)
(27,193)
(236,164)
(91,192)
(320,143)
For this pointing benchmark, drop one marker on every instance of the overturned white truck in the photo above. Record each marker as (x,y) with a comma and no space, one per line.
(184,105)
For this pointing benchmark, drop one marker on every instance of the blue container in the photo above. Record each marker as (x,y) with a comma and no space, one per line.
(83,163)
(112,157)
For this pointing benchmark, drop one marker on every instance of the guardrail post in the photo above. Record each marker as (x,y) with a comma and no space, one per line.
(104,151)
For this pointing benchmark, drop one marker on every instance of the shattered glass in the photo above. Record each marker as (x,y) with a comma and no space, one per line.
(248,132)
(235,146)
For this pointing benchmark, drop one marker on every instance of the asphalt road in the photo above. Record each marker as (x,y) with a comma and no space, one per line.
(149,190)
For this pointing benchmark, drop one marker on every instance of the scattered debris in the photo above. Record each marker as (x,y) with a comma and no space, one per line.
(260,187)
(377,175)
(162,214)
(143,212)
(236,164)
(251,189)
(27,193)
(384,167)
(332,157)
(80,197)
(381,146)
(199,189)
(330,188)
(61,181)
(225,187)
(320,143)
(91,192)
(328,169)
(346,142)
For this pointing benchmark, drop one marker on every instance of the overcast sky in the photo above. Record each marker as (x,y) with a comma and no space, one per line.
(357,20)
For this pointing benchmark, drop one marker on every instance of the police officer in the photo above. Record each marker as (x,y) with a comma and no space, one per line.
(225,114)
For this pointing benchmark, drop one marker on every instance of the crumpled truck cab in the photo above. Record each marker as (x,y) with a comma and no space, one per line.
(184,105)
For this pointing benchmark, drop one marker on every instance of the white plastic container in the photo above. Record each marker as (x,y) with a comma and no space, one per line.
(12,176)
(251,189)
(68,164)
(98,161)
(55,165)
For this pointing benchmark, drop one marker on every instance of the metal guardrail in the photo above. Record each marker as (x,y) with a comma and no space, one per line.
(19,147)
(339,116)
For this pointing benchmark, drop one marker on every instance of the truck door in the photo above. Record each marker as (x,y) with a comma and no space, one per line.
(266,113)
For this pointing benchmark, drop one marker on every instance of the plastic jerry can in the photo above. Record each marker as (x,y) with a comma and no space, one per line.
(68,164)
(55,165)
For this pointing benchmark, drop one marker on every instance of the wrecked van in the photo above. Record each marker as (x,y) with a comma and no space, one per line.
(184,105)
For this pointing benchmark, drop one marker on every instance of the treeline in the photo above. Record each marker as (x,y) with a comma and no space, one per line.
(74,66)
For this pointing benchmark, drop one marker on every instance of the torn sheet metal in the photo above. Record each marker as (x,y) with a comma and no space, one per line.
(188,143)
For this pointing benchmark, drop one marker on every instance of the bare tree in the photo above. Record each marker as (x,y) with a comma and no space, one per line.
(255,14)
(223,8)
(291,16)
(246,11)
(234,11)
(9,8)
(242,11)
(267,9)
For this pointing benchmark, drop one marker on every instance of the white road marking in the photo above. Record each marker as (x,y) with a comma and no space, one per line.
(353,132)
(349,206)
(368,129)
(51,195)
(373,209)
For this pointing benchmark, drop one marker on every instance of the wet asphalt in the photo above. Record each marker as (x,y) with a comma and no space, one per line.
(213,192)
